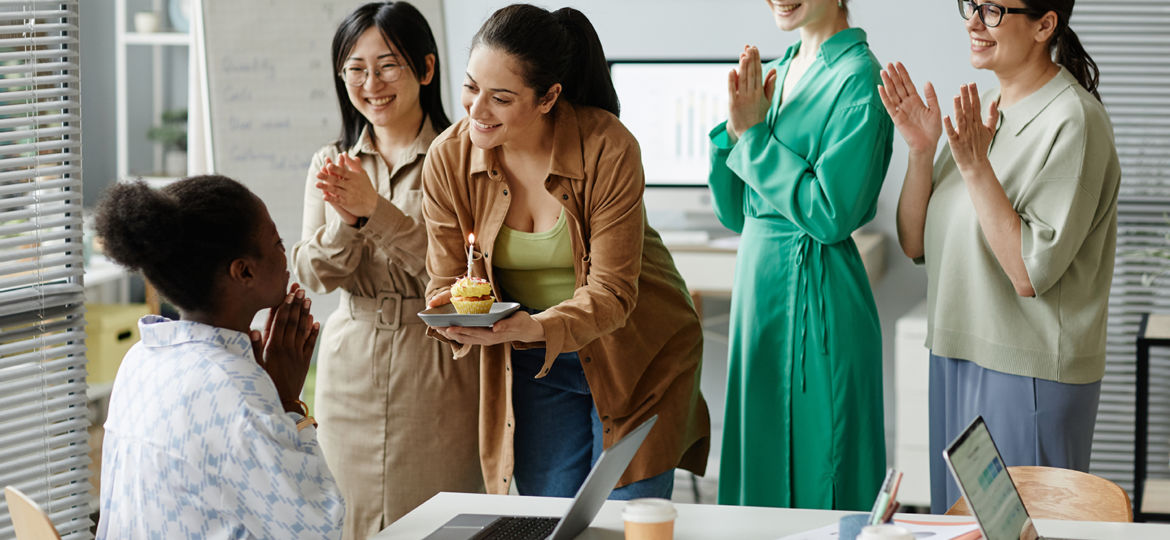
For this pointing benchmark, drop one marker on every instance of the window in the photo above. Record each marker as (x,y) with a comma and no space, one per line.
(1127,39)
(43,445)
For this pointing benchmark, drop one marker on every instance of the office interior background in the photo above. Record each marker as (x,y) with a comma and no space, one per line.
(1127,38)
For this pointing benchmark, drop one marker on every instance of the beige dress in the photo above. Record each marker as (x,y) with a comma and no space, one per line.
(398,415)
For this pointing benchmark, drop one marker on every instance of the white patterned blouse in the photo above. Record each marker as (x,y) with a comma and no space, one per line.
(197,445)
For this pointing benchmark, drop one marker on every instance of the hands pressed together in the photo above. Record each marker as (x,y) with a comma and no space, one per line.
(749,93)
(285,347)
(347,188)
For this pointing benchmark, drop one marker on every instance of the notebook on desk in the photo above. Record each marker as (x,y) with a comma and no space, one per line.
(983,479)
(592,494)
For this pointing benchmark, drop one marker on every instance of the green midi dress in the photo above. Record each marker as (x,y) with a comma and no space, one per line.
(804,424)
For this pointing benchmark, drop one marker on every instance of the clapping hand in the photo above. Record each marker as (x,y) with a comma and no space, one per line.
(749,93)
(347,188)
(286,345)
(920,123)
(970,136)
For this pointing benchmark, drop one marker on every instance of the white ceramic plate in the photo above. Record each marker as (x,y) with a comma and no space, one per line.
(445,315)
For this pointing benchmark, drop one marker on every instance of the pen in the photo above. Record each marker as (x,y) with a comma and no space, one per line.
(894,490)
(879,504)
(890,513)
(880,508)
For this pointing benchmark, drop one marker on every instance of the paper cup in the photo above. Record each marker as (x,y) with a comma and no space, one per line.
(885,532)
(649,519)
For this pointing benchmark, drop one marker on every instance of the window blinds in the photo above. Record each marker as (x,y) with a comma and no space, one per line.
(1129,41)
(43,448)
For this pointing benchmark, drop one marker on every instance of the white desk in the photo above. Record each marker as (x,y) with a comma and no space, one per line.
(706,522)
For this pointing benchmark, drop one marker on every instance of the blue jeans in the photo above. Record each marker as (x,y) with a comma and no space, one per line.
(558,434)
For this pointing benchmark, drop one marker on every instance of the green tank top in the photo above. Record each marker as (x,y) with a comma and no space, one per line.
(535,269)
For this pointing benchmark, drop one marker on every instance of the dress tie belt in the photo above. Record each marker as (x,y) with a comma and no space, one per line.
(810,275)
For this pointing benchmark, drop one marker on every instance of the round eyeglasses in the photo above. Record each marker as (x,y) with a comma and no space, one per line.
(991,14)
(356,76)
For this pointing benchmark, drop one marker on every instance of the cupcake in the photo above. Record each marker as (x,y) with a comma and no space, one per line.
(472,295)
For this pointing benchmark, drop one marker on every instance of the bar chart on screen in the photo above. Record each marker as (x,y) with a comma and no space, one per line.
(670,106)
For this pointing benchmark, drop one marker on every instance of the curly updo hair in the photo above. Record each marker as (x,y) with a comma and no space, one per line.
(183,236)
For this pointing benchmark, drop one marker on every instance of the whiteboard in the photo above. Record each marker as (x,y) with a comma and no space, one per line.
(269,97)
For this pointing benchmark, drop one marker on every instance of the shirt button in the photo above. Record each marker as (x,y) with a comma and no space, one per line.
(494,172)
(505,193)
(588,359)
(605,418)
(565,197)
(607,430)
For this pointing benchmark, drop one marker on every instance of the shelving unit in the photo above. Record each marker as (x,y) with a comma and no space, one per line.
(158,43)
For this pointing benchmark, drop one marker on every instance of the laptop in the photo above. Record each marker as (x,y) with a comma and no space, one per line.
(593,493)
(983,479)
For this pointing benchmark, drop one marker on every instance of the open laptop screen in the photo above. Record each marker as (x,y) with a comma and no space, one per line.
(977,466)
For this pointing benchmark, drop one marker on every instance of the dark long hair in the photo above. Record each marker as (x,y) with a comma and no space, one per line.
(182,236)
(1065,45)
(553,47)
(402,25)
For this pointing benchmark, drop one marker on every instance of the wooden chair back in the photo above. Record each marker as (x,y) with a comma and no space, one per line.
(28,520)
(1054,493)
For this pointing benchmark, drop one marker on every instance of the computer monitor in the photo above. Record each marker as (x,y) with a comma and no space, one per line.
(670,106)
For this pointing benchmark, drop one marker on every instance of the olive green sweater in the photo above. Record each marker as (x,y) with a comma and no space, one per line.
(1053,152)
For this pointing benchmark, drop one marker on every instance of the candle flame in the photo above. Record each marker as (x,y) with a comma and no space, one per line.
(471,238)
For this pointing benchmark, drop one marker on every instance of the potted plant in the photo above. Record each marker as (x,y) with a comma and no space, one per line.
(172,135)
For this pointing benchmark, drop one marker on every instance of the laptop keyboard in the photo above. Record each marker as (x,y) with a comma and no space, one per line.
(518,528)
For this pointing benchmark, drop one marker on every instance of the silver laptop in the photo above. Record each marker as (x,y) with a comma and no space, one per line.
(983,479)
(586,504)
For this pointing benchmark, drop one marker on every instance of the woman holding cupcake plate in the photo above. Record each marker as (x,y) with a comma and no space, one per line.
(550,183)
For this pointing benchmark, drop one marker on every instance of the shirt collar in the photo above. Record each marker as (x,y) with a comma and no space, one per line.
(1017,117)
(568,159)
(159,331)
(417,147)
(834,47)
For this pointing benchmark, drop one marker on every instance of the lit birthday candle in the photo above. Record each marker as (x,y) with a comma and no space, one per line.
(470,249)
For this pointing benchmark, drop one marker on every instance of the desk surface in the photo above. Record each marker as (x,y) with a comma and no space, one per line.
(705,521)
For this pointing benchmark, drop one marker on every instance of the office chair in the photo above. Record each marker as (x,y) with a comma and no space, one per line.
(1054,493)
(28,520)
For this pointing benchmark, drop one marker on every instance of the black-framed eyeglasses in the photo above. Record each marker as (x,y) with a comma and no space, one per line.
(990,13)
(356,76)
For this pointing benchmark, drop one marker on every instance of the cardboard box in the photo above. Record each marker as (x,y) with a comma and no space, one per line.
(111,329)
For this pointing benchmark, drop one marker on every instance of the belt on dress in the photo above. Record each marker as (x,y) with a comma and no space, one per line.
(387,310)
(808,249)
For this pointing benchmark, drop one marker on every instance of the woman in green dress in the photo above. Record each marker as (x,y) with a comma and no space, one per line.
(796,170)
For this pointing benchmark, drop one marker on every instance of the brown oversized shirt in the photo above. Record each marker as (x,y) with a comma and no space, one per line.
(630,318)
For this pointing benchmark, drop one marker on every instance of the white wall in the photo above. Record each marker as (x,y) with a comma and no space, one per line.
(926,35)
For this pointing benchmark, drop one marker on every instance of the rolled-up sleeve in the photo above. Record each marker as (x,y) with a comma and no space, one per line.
(1062,208)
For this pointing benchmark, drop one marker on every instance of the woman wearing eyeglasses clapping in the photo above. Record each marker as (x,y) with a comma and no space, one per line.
(1016,222)
(381,382)
(797,168)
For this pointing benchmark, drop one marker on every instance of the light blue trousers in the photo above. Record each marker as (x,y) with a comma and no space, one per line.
(1032,421)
